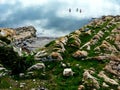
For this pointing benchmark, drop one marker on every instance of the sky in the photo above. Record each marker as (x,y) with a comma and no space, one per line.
(52,17)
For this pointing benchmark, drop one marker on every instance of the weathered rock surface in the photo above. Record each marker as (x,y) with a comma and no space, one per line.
(80,54)
(113,67)
(107,79)
(56,56)
(25,32)
(8,33)
(90,80)
(37,66)
(98,41)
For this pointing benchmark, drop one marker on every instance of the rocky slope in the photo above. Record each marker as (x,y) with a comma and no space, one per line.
(99,42)
(86,59)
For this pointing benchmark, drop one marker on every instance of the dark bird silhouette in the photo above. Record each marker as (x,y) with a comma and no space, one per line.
(69,9)
(80,11)
(77,10)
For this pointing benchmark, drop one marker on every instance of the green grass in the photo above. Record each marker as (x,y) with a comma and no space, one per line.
(52,78)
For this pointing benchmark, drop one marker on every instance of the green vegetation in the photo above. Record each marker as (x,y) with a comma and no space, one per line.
(12,61)
(51,43)
(52,77)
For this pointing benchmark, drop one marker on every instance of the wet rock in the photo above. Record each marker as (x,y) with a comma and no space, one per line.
(68,72)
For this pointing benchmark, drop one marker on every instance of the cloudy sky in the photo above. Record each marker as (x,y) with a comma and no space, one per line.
(52,17)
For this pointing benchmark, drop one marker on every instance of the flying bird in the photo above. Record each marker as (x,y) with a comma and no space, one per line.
(69,9)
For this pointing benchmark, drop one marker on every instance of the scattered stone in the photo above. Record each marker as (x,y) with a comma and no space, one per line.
(21,75)
(105,85)
(90,80)
(34,80)
(81,87)
(63,64)
(68,72)
(22,85)
(80,54)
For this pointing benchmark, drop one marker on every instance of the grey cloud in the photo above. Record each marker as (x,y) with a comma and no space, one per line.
(20,15)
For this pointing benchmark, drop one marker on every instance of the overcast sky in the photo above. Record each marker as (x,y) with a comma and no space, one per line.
(52,17)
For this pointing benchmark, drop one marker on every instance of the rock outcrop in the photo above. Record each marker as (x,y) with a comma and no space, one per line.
(90,80)
(107,79)
(92,52)
(80,54)
(25,33)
